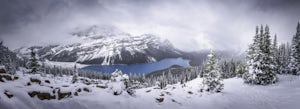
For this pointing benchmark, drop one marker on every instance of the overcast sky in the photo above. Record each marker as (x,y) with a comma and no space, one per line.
(189,24)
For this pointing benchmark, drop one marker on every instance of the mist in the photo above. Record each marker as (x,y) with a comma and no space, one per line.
(191,25)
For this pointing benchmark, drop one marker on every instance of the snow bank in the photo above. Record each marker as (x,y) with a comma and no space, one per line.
(236,95)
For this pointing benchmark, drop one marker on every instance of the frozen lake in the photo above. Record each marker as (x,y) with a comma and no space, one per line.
(139,68)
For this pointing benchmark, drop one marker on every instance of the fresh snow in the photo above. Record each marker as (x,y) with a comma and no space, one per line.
(64,64)
(97,42)
(236,95)
(2,67)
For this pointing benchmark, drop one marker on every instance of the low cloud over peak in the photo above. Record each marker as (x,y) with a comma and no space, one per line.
(189,24)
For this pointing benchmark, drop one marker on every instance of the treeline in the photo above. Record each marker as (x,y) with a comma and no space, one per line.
(229,68)
(265,59)
(8,59)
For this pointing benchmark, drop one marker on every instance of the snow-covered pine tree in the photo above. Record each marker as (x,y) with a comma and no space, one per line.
(212,75)
(267,64)
(33,63)
(75,74)
(43,69)
(260,61)
(162,83)
(252,57)
(120,83)
(284,58)
(294,64)
(240,70)
(275,54)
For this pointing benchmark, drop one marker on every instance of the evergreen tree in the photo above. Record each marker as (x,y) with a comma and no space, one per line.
(212,76)
(276,55)
(162,82)
(43,69)
(284,58)
(240,70)
(260,60)
(75,74)
(120,82)
(253,57)
(295,53)
(267,64)
(33,62)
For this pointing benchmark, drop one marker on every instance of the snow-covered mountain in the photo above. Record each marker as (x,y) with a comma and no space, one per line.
(107,45)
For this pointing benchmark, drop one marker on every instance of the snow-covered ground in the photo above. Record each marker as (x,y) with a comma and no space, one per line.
(64,64)
(236,95)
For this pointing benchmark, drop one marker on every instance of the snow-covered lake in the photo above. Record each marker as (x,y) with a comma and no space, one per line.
(139,68)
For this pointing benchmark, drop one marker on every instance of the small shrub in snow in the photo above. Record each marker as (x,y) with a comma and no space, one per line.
(16,77)
(5,77)
(102,86)
(78,90)
(148,91)
(2,69)
(35,80)
(76,94)
(159,100)
(190,92)
(160,84)
(86,89)
(8,94)
(41,95)
(62,95)
(131,92)
(47,81)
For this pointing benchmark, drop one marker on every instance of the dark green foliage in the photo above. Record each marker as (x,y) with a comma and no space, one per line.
(41,96)
(62,95)
(33,80)
(159,100)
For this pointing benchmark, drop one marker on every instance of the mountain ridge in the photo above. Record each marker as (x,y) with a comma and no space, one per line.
(107,46)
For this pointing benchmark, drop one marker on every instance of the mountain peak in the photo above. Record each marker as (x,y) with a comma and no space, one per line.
(97,31)
(108,45)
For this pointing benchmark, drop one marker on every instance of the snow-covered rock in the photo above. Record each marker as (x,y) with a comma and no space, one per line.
(117,84)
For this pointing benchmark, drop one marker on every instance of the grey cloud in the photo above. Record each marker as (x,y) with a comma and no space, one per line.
(189,24)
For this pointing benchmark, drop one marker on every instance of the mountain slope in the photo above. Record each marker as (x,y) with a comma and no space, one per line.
(108,45)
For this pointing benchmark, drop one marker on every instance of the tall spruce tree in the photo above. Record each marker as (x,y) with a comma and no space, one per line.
(33,62)
(212,75)
(253,57)
(283,58)
(276,55)
(75,74)
(260,60)
(294,65)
